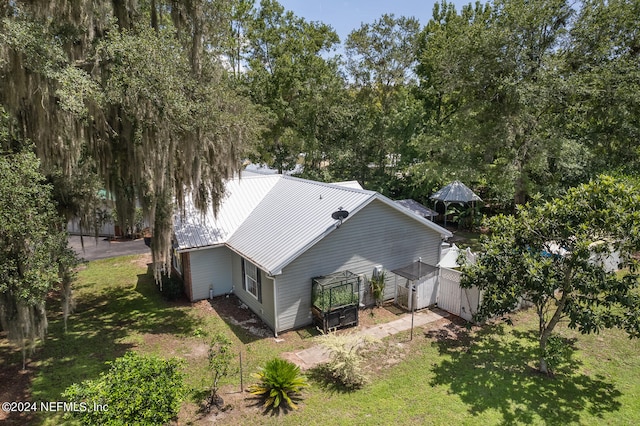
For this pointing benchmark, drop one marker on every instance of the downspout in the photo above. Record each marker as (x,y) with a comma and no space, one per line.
(275,307)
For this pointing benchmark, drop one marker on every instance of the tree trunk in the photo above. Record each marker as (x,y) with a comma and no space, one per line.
(544,368)
(547,328)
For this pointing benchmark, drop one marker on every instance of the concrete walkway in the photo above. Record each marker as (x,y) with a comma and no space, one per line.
(309,358)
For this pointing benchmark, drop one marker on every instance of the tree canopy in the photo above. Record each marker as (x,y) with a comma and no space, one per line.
(553,255)
(137,91)
(34,257)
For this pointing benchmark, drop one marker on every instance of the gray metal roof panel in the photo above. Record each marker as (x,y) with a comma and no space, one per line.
(295,214)
(197,229)
(417,208)
(455,192)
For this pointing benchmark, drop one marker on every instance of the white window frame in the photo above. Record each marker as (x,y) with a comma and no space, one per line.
(251,272)
(177,261)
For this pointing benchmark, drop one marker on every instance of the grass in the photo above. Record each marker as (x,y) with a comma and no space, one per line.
(445,375)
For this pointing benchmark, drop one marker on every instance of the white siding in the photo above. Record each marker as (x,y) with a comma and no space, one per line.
(377,235)
(210,268)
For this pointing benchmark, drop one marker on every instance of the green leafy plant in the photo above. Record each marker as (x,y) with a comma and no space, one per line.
(345,364)
(220,357)
(279,381)
(377,285)
(172,287)
(467,218)
(557,352)
(333,297)
(137,390)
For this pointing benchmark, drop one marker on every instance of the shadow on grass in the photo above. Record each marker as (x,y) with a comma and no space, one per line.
(492,371)
(321,375)
(283,409)
(98,331)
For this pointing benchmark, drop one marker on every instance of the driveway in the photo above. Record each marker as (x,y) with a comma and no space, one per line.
(104,248)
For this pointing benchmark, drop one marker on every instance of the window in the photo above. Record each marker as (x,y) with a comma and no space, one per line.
(177,261)
(252,279)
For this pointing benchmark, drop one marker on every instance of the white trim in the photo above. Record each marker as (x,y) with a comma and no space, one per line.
(247,277)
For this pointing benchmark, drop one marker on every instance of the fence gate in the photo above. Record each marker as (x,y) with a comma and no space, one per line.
(449,297)
(462,302)
(418,285)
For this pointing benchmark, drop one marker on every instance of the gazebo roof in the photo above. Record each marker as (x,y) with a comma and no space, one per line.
(455,192)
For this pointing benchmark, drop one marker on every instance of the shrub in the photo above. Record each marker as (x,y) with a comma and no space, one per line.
(345,364)
(137,390)
(279,381)
(377,285)
(220,357)
(172,287)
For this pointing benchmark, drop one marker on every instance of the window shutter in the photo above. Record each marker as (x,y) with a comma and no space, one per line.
(244,279)
(259,284)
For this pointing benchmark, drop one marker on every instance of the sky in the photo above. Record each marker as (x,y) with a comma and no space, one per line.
(346,16)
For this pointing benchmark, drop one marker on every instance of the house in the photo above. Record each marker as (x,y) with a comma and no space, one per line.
(273,234)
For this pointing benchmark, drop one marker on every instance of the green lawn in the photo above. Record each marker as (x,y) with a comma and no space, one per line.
(444,376)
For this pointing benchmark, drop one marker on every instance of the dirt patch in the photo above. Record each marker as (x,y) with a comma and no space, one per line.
(143,260)
(375,315)
(16,384)
(231,309)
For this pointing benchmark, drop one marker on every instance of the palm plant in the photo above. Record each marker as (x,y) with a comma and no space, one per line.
(279,380)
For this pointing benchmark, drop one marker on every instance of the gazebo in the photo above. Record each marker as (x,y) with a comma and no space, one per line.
(455,192)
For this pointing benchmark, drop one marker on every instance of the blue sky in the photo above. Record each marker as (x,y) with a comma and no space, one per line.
(345,16)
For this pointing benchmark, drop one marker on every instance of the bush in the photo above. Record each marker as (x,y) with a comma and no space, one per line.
(172,288)
(137,390)
(220,357)
(279,381)
(345,365)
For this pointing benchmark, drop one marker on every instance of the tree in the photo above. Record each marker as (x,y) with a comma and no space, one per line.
(380,59)
(491,80)
(138,92)
(549,255)
(220,357)
(34,256)
(286,75)
(602,66)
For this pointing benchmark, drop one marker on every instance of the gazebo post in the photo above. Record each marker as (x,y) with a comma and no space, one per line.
(446,207)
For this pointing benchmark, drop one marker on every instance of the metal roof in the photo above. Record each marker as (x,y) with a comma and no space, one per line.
(354,184)
(272,219)
(242,195)
(417,208)
(455,192)
(294,216)
(415,270)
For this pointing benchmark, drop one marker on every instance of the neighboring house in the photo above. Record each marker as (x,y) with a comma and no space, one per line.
(273,234)
(103,219)
(418,208)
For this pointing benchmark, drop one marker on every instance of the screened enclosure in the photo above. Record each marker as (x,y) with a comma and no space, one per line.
(336,298)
